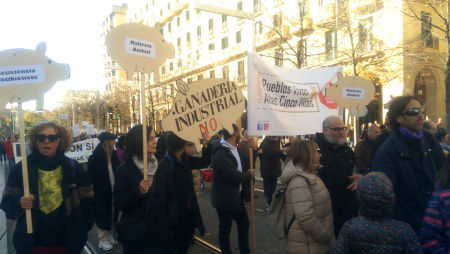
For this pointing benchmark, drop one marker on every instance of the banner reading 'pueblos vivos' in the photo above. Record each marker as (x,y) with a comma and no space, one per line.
(288,101)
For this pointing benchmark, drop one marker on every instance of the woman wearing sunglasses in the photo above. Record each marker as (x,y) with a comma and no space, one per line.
(61,196)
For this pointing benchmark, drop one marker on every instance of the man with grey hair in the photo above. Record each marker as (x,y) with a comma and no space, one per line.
(338,161)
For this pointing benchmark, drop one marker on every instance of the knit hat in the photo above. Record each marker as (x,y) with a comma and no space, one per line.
(376,196)
(106,136)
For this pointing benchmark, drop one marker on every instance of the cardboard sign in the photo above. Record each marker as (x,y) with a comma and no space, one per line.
(81,151)
(352,92)
(85,124)
(28,74)
(207,105)
(17,152)
(138,48)
(76,130)
(90,130)
(287,101)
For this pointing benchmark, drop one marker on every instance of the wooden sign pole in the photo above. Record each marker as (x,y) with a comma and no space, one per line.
(252,204)
(23,152)
(144,123)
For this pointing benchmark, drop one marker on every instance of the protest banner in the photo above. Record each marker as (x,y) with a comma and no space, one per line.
(288,102)
(207,105)
(76,130)
(18,151)
(81,151)
(139,48)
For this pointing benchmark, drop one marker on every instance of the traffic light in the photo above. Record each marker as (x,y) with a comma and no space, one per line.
(117,116)
(110,112)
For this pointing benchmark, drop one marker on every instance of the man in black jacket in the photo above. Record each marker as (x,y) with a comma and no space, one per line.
(230,187)
(410,157)
(338,161)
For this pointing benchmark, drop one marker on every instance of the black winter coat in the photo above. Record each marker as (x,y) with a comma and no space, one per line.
(411,164)
(178,180)
(226,179)
(98,171)
(78,204)
(131,203)
(270,158)
(338,162)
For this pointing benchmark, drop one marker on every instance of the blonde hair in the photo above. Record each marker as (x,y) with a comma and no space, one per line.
(108,151)
(302,153)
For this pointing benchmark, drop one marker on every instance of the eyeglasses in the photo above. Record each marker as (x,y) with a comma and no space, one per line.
(338,128)
(413,111)
(51,138)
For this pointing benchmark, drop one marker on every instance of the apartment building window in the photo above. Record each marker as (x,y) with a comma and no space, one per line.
(197,54)
(199,33)
(199,76)
(365,35)
(180,63)
(256,5)
(426,34)
(168,6)
(146,7)
(169,27)
(171,66)
(239,8)
(188,16)
(189,80)
(160,13)
(238,37)
(162,31)
(278,57)
(211,46)
(241,75)
(224,21)
(258,28)
(178,22)
(179,44)
(212,74)
(153,2)
(198,13)
(330,45)
(226,72)
(224,42)
(211,26)
(188,39)
(163,69)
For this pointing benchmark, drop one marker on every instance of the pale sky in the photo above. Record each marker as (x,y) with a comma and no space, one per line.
(71,30)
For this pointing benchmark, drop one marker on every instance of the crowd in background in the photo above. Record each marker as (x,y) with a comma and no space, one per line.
(388,194)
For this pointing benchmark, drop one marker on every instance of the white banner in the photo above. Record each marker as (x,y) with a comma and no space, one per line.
(76,130)
(81,151)
(288,102)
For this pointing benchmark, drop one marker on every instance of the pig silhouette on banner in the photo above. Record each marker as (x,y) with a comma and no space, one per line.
(28,75)
(207,105)
(138,48)
(352,92)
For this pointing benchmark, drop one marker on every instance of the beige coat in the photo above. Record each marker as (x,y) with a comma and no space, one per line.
(312,230)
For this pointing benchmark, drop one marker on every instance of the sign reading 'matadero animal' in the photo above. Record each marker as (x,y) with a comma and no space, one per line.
(205,106)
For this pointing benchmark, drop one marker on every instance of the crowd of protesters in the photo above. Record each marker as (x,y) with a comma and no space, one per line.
(389,194)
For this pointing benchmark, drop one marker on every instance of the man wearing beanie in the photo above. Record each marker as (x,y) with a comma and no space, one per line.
(374,230)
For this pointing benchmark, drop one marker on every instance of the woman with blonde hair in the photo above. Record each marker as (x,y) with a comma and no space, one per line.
(308,204)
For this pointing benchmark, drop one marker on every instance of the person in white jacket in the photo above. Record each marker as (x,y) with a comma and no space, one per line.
(308,200)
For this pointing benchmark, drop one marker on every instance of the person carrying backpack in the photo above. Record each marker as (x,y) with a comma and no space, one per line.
(307,199)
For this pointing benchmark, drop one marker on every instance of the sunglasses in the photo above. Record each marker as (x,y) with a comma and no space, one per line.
(413,111)
(338,128)
(51,138)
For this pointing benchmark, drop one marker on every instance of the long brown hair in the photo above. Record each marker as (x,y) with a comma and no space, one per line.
(302,153)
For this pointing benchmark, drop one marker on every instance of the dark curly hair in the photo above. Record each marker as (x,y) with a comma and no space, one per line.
(65,138)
